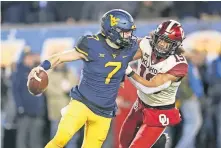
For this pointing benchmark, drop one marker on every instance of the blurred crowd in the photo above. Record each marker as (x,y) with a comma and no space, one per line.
(199,99)
(52,11)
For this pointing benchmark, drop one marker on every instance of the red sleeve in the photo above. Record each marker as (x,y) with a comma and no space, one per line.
(180,70)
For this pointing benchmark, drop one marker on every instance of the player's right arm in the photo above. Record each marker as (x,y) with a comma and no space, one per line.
(80,51)
(66,56)
(138,55)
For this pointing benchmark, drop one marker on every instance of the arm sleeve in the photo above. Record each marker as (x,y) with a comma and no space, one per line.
(180,70)
(149,90)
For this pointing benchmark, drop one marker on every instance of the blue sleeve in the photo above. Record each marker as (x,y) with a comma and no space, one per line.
(195,81)
(82,45)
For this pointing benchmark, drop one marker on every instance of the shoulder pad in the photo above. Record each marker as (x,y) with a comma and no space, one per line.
(82,45)
(145,46)
(82,41)
(93,37)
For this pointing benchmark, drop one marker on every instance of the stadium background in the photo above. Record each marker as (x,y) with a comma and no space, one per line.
(34,27)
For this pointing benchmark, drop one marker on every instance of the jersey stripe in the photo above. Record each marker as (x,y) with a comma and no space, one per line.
(172,24)
(81,51)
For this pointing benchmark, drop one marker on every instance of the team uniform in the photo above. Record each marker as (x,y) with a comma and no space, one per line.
(152,112)
(93,100)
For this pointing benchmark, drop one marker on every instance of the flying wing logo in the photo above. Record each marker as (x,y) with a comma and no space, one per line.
(113,20)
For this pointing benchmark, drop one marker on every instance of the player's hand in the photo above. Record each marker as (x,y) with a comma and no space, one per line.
(122,84)
(33,73)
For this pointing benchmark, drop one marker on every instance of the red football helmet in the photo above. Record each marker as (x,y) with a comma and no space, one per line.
(167,38)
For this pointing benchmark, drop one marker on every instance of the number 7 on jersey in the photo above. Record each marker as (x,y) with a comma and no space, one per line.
(117,66)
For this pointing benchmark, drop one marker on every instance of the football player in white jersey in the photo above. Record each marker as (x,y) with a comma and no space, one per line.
(158,76)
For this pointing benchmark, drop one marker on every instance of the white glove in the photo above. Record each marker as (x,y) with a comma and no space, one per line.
(129,70)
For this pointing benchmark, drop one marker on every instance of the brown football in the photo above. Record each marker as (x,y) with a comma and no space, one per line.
(38,83)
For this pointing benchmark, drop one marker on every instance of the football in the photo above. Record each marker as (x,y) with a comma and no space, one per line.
(38,83)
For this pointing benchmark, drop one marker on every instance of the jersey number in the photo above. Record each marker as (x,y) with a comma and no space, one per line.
(179,58)
(142,70)
(117,66)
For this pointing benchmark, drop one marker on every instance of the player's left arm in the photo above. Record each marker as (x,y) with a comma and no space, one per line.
(175,74)
(158,80)
(149,90)
(138,55)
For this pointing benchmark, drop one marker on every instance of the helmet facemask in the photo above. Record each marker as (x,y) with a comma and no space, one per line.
(164,46)
(123,38)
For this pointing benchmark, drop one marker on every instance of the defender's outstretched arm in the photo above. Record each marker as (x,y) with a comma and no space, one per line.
(156,81)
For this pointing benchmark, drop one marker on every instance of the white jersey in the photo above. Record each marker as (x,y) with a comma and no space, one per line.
(148,69)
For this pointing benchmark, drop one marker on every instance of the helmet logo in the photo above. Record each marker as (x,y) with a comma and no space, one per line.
(113,20)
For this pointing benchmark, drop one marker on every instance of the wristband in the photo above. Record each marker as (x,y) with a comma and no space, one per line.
(46,65)
(131,74)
